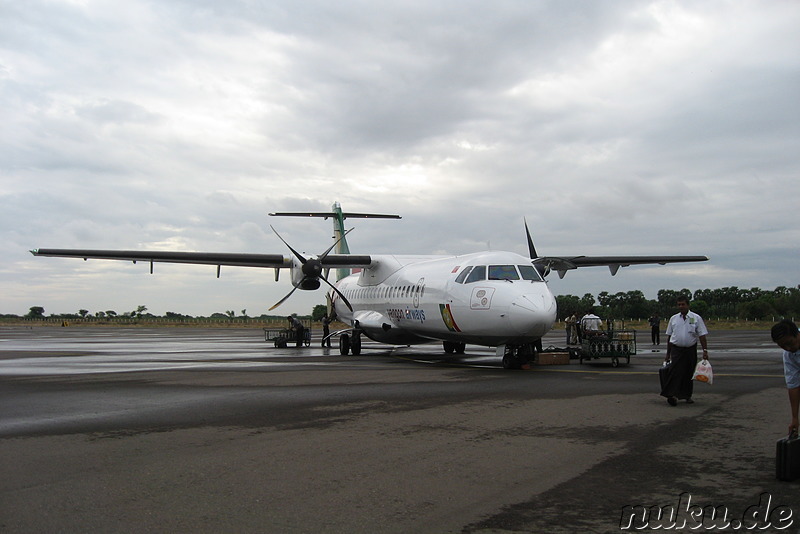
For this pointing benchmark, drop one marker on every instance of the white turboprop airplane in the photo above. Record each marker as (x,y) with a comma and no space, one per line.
(495,299)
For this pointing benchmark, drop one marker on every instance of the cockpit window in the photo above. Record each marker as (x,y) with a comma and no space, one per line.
(529,272)
(463,274)
(478,274)
(503,272)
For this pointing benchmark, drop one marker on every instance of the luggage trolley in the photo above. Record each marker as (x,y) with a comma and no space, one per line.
(283,337)
(614,344)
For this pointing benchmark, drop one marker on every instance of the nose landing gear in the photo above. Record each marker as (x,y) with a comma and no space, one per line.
(517,356)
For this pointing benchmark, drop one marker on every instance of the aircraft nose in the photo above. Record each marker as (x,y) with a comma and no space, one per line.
(533,314)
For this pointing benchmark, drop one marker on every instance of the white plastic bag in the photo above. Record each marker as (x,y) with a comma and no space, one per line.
(703,372)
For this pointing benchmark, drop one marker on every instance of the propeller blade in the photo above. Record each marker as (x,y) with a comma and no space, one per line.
(297,254)
(544,269)
(322,256)
(531,248)
(344,299)
(284,298)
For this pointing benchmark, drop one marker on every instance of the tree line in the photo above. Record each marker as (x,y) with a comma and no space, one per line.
(727,302)
(38,312)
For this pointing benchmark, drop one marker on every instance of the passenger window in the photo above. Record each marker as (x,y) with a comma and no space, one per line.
(529,272)
(478,274)
(503,272)
(462,275)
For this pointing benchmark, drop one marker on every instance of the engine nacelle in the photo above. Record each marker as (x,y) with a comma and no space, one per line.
(310,284)
(305,276)
(297,272)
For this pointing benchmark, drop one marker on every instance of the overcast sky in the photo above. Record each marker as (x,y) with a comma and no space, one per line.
(618,127)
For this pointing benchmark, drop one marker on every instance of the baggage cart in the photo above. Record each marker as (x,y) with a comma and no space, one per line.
(614,344)
(284,337)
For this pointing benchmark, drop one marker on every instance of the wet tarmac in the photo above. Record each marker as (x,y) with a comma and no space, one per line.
(209,430)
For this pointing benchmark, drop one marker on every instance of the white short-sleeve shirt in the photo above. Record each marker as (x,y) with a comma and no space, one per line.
(685,331)
(791,368)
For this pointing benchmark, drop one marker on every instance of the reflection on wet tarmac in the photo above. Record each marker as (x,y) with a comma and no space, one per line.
(65,351)
(72,366)
(39,352)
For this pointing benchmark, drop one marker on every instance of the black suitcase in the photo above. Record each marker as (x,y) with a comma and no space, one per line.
(663,375)
(787,458)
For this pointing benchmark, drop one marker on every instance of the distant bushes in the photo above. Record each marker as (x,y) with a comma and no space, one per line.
(727,302)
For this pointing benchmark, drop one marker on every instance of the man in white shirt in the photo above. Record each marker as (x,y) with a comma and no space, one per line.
(684,330)
(591,323)
(787,336)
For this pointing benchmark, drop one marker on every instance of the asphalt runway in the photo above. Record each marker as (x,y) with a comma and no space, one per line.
(212,430)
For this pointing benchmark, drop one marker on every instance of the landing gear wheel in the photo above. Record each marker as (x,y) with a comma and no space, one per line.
(355,345)
(518,357)
(525,354)
(344,344)
(449,347)
(460,348)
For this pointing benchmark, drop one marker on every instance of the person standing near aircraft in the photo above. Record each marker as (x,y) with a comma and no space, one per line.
(591,324)
(684,330)
(655,329)
(326,331)
(786,335)
(571,322)
(296,325)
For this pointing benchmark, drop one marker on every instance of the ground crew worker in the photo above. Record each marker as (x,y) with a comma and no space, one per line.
(326,330)
(297,326)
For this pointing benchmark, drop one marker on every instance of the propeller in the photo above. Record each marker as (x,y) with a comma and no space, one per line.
(544,270)
(312,272)
(531,248)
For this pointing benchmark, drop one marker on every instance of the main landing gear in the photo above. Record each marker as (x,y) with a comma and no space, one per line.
(517,356)
(350,343)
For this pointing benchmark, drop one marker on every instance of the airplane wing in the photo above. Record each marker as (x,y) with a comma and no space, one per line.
(275,261)
(563,264)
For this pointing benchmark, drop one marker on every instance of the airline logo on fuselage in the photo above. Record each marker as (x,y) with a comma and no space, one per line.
(400,315)
(447,317)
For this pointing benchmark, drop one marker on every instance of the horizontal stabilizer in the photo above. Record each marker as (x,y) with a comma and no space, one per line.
(326,214)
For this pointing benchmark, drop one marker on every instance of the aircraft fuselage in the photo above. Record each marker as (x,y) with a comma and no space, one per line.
(486,298)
